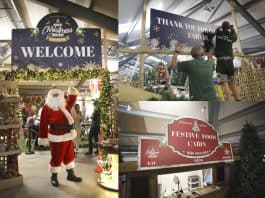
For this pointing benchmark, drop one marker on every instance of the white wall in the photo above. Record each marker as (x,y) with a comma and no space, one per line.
(167,182)
(228,108)
(235,125)
(180,108)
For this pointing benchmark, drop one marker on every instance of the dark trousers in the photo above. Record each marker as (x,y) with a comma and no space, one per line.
(93,134)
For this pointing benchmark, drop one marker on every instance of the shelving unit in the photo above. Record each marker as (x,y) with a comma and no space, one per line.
(10,126)
(194,182)
(9,150)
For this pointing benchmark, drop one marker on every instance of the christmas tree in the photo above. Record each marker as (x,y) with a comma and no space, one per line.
(252,179)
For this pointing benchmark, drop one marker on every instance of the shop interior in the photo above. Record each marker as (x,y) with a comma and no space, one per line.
(207,180)
(145,70)
(24,164)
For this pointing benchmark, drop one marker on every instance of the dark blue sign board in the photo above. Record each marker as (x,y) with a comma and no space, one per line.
(167,29)
(57,42)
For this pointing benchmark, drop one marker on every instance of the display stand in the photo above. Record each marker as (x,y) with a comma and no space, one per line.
(130,177)
(108,178)
(9,150)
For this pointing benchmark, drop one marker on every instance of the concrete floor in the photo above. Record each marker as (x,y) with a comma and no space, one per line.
(36,179)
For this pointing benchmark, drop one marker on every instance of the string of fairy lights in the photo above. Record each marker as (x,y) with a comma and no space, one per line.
(105,99)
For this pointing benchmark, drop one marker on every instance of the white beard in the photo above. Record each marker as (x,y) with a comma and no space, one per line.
(58,103)
(55,102)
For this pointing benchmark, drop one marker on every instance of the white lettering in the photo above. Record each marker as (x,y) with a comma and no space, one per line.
(47,52)
(168,22)
(91,51)
(27,51)
(196,144)
(58,51)
(40,52)
(70,51)
(185,134)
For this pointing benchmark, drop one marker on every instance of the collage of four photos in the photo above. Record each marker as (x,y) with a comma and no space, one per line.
(132,98)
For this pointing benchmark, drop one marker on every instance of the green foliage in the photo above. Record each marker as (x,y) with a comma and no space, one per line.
(105,99)
(153,99)
(252,179)
(167,95)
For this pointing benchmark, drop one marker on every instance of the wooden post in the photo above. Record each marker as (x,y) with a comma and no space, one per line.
(128,186)
(105,50)
(214,174)
(143,43)
(153,185)
(232,6)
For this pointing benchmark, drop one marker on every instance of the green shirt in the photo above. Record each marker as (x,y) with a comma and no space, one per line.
(200,74)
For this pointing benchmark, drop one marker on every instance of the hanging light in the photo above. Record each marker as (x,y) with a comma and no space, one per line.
(112,65)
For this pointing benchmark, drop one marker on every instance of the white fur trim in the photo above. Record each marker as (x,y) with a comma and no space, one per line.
(67,115)
(43,141)
(74,133)
(55,169)
(72,91)
(70,165)
(60,138)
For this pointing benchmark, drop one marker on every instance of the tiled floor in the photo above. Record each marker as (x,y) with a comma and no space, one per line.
(36,179)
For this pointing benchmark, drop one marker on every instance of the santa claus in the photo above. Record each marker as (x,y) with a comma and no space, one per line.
(56,129)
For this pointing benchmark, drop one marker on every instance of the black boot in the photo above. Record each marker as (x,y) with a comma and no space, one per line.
(71,176)
(54,180)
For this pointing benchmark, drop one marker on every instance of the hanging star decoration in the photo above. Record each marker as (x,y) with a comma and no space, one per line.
(80,32)
(34,32)
(156,28)
(96,34)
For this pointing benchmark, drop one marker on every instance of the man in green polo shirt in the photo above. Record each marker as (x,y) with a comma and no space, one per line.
(200,73)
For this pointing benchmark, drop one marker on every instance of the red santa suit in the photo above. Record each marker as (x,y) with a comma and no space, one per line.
(56,128)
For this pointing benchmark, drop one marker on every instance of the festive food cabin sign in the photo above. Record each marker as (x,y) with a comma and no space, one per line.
(57,42)
(188,141)
(167,29)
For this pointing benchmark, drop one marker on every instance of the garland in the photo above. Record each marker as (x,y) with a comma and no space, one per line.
(105,99)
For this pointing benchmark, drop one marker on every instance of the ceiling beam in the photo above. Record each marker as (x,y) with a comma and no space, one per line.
(137,18)
(255,50)
(23,13)
(249,18)
(195,8)
(251,39)
(11,13)
(247,26)
(215,10)
(86,14)
(131,56)
(213,112)
(92,3)
(246,6)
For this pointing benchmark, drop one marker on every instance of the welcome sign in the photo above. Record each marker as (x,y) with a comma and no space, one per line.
(57,42)
(167,29)
(189,141)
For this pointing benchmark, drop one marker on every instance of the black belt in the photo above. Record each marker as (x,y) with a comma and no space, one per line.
(61,127)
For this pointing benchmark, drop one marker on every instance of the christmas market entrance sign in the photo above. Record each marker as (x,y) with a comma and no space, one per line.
(188,141)
(57,42)
(167,29)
